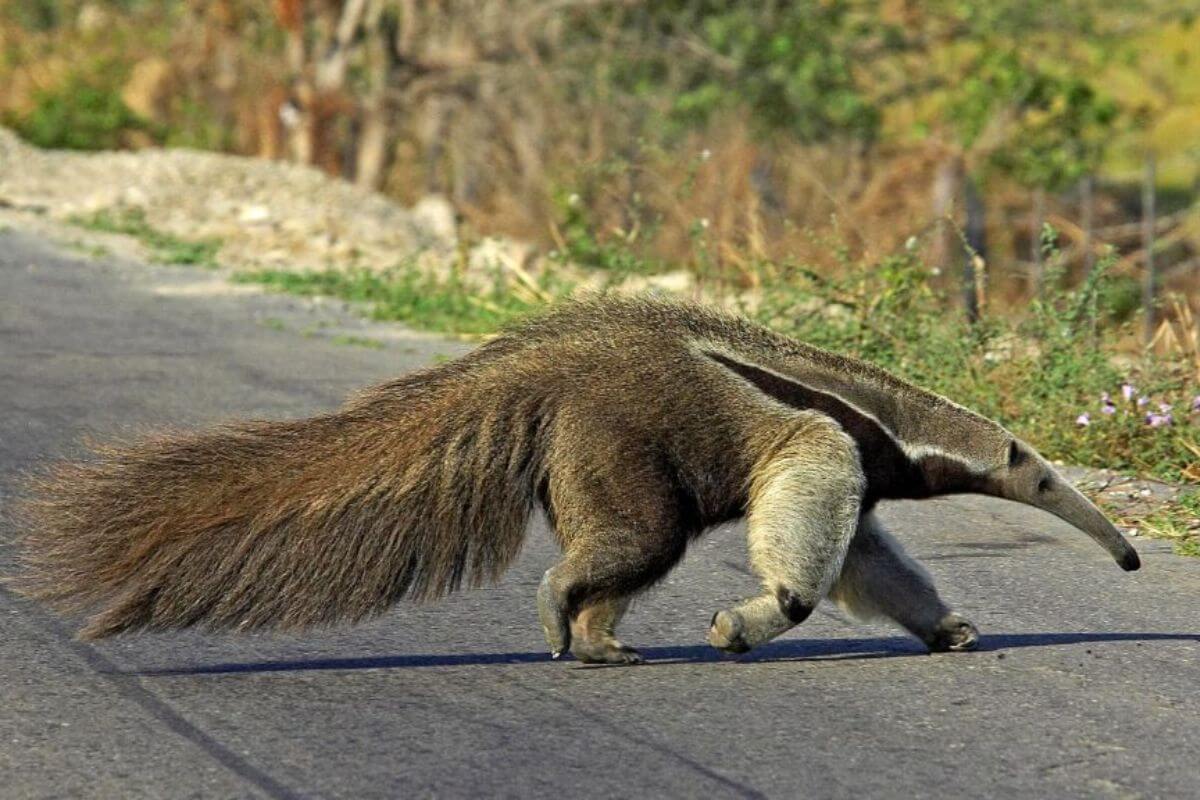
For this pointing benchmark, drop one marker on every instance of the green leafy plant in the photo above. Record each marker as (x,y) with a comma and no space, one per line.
(794,74)
(1179,522)
(82,113)
(582,244)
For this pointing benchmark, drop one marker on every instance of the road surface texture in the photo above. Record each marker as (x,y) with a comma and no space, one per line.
(1085,684)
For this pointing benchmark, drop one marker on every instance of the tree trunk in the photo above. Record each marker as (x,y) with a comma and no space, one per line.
(371,156)
(974,275)
(947,186)
(1087,192)
(1035,250)
(292,112)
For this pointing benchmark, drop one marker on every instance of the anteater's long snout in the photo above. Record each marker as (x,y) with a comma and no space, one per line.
(1066,502)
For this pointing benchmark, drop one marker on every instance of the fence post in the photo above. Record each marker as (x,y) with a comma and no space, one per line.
(1150,278)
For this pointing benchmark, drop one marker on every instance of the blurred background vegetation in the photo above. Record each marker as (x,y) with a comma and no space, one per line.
(861,171)
(765,122)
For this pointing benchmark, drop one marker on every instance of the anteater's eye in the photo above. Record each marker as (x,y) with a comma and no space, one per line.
(1044,484)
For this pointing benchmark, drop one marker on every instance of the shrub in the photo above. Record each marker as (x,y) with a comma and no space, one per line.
(80,114)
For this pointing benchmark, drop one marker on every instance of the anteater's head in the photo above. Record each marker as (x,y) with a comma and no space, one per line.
(1028,478)
(970,453)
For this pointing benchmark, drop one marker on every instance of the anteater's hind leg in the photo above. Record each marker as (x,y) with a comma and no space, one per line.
(804,505)
(623,523)
(880,580)
(601,566)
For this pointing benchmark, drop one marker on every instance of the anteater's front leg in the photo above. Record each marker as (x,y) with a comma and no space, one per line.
(804,506)
(880,580)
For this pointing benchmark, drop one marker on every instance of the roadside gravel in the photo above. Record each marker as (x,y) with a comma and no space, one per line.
(265,213)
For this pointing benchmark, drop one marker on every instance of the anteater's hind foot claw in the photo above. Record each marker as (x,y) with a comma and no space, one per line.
(608,651)
(552,613)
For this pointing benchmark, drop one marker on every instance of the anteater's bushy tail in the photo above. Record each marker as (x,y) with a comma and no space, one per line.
(411,490)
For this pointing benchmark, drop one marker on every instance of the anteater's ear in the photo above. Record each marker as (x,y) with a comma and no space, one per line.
(1016,455)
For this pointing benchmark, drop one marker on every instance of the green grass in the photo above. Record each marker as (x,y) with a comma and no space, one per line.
(164,247)
(357,341)
(92,251)
(405,294)
(1188,547)
(1180,523)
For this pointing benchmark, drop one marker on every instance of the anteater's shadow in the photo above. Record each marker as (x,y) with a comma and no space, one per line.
(780,651)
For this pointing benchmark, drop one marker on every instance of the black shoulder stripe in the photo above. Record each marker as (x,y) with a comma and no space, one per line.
(889,471)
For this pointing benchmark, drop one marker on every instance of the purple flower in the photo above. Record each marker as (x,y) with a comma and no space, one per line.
(1196,403)
(1158,420)
(1107,406)
(1165,408)
(1127,391)
(1083,420)
(1142,401)
(1108,409)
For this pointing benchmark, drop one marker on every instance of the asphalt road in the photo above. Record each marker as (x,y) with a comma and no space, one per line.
(1085,684)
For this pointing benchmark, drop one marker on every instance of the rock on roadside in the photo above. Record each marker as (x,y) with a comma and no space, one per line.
(265,213)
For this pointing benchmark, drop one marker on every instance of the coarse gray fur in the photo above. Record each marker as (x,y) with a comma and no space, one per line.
(636,424)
